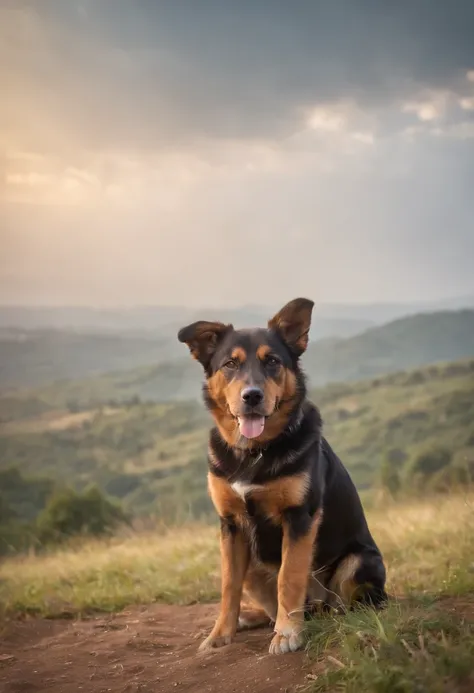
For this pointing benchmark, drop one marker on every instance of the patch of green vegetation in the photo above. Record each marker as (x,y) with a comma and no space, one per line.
(178,566)
(36,357)
(406,343)
(427,546)
(423,642)
(64,514)
(408,648)
(152,457)
(402,344)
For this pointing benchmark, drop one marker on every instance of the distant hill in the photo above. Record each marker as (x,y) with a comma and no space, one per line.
(154,318)
(32,358)
(153,456)
(405,343)
(29,358)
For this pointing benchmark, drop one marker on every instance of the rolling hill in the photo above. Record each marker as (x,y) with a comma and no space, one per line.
(404,343)
(345,344)
(153,456)
(153,318)
(409,342)
(30,358)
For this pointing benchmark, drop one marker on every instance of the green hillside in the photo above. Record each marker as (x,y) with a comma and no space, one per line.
(153,456)
(35,357)
(119,373)
(409,342)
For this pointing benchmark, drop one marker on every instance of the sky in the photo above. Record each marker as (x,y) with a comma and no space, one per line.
(213,152)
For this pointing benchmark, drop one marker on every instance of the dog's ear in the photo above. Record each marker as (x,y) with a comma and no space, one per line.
(292,323)
(202,339)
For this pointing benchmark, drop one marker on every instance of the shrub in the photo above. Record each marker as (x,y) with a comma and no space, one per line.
(430,461)
(390,477)
(69,513)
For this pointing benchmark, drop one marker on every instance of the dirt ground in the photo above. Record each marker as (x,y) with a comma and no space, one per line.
(148,650)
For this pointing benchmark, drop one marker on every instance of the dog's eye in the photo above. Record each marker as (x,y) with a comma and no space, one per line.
(231,365)
(272,361)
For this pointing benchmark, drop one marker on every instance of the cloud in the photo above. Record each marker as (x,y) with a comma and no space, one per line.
(467,103)
(162,75)
(150,145)
(432,107)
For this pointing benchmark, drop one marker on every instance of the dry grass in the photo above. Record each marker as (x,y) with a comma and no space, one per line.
(179,566)
(423,642)
(428,547)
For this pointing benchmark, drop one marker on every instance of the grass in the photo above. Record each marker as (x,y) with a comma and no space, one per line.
(424,640)
(178,567)
(428,548)
(410,648)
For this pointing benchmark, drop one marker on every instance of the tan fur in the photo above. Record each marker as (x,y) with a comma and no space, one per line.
(343,588)
(224,393)
(279,399)
(280,594)
(239,354)
(284,394)
(260,593)
(226,501)
(234,561)
(272,498)
(293,577)
(263,351)
(275,496)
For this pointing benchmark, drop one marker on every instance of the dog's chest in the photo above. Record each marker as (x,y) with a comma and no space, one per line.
(259,509)
(242,499)
(265,501)
(244,490)
(261,520)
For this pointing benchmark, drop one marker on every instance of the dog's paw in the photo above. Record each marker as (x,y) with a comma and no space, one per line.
(214,641)
(289,640)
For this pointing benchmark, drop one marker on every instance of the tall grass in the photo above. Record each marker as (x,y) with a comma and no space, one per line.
(428,547)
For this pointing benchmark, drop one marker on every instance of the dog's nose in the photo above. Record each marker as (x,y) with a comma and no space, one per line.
(253,396)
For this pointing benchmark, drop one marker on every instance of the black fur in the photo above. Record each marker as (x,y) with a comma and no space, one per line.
(299,447)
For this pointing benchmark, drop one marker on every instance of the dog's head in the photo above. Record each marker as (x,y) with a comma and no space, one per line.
(253,381)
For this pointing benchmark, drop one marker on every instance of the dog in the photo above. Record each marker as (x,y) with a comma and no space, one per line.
(293,533)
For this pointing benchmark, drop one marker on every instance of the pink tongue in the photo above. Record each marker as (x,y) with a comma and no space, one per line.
(251,427)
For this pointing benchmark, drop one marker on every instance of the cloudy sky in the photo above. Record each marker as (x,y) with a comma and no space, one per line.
(214,151)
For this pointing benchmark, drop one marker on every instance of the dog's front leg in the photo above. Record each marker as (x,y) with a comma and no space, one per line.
(234,563)
(299,535)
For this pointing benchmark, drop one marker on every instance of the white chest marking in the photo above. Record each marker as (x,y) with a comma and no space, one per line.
(241,489)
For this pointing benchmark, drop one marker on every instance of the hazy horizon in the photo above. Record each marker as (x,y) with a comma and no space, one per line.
(243,154)
(442,299)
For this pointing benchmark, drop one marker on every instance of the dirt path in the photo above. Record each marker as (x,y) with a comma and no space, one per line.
(141,650)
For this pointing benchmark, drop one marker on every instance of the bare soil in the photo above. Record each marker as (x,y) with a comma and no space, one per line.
(147,649)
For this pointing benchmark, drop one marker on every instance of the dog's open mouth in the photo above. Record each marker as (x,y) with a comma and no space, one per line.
(251,426)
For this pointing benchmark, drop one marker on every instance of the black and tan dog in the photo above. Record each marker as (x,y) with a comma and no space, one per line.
(293,531)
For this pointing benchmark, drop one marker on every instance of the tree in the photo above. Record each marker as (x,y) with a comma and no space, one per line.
(431,460)
(69,513)
(6,512)
(427,465)
(390,477)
